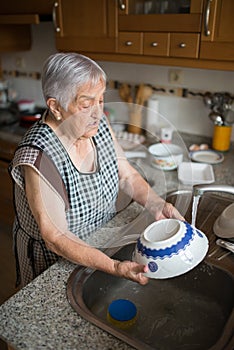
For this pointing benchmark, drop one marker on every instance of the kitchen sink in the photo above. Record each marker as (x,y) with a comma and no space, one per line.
(194,311)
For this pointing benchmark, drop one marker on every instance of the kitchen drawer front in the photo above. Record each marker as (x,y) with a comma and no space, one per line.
(184,45)
(156,44)
(130,43)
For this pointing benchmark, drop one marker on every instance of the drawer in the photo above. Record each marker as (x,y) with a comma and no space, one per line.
(184,45)
(130,43)
(156,44)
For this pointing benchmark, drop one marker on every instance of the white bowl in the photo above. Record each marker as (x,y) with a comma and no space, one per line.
(166,156)
(170,248)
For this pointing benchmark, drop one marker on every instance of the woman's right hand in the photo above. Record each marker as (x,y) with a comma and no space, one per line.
(132,271)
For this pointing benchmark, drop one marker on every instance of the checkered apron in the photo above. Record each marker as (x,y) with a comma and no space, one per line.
(89,198)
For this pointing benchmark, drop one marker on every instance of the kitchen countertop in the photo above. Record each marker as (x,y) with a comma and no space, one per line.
(39,315)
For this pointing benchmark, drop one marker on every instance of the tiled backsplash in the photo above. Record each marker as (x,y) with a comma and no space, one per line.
(186,114)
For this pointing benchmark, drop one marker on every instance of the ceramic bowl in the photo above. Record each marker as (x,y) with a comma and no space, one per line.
(170,248)
(166,156)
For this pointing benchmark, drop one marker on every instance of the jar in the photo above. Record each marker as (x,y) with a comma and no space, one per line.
(221,137)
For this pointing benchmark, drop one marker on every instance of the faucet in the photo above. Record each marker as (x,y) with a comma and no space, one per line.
(199,190)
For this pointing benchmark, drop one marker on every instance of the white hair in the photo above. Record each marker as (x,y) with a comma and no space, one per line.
(64,73)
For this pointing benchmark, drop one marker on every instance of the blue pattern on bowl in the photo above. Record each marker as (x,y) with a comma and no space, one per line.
(174,249)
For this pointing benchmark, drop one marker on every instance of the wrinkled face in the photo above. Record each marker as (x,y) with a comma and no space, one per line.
(83,115)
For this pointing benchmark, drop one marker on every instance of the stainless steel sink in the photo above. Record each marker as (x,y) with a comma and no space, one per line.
(194,311)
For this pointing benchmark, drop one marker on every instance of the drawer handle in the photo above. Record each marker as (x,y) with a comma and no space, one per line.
(128,43)
(154,44)
(122,6)
(182,45)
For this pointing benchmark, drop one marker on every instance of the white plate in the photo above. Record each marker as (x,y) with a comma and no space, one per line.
(207,156)
(195,173)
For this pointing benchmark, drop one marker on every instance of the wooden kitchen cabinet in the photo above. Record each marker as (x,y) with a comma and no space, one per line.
(15,37)
(114,30)
(14,7)
(89,25)
(170,34)
(218,30)
(7,149)
(6,201)
(16,18)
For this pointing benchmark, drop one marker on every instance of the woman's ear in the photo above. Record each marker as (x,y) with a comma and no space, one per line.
(54,108)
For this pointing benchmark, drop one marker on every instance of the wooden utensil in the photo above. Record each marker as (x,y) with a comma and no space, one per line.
(125,93)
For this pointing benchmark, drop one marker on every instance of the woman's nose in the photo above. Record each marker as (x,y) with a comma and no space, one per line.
(97,111)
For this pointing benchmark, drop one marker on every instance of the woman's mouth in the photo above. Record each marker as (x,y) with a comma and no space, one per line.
(94,124)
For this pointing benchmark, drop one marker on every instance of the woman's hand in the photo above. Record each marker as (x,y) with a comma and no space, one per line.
(132,271)
(168,211)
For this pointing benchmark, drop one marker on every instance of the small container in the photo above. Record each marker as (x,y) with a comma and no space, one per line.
(166,135)
(221,137)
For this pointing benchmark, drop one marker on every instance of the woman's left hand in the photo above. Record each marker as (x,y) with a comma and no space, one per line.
(132,271)
(168,211)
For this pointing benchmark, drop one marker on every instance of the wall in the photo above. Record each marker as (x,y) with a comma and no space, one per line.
(186,114)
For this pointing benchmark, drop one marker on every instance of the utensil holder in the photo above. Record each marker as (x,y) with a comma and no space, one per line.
(135,119)
(221,137)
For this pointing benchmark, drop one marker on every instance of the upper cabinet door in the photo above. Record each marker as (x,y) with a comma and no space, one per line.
(160,16)
(218,30)
(88,25)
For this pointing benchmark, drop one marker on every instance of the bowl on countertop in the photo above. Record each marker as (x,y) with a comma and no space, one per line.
(166,156)
(170,248)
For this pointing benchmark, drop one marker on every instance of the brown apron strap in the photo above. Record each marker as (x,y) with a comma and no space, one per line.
(47,168)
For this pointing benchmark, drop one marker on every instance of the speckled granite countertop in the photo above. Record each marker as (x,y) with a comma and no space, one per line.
(40,317)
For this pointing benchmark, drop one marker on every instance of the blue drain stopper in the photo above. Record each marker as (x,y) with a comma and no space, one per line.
(122,310)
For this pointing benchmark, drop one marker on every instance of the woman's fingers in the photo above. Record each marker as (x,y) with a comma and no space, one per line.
(169,211)
(133,271)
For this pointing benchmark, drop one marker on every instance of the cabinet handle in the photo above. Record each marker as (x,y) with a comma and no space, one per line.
(122,5)
(182,45)
(207,17)
(56,27)
(154,44)
(128,43)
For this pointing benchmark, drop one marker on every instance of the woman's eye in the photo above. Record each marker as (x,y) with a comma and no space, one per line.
(85,104)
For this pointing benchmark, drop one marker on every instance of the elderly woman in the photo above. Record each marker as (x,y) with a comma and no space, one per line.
(67,172)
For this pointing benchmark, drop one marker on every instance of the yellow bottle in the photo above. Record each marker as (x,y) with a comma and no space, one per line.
(221,137)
